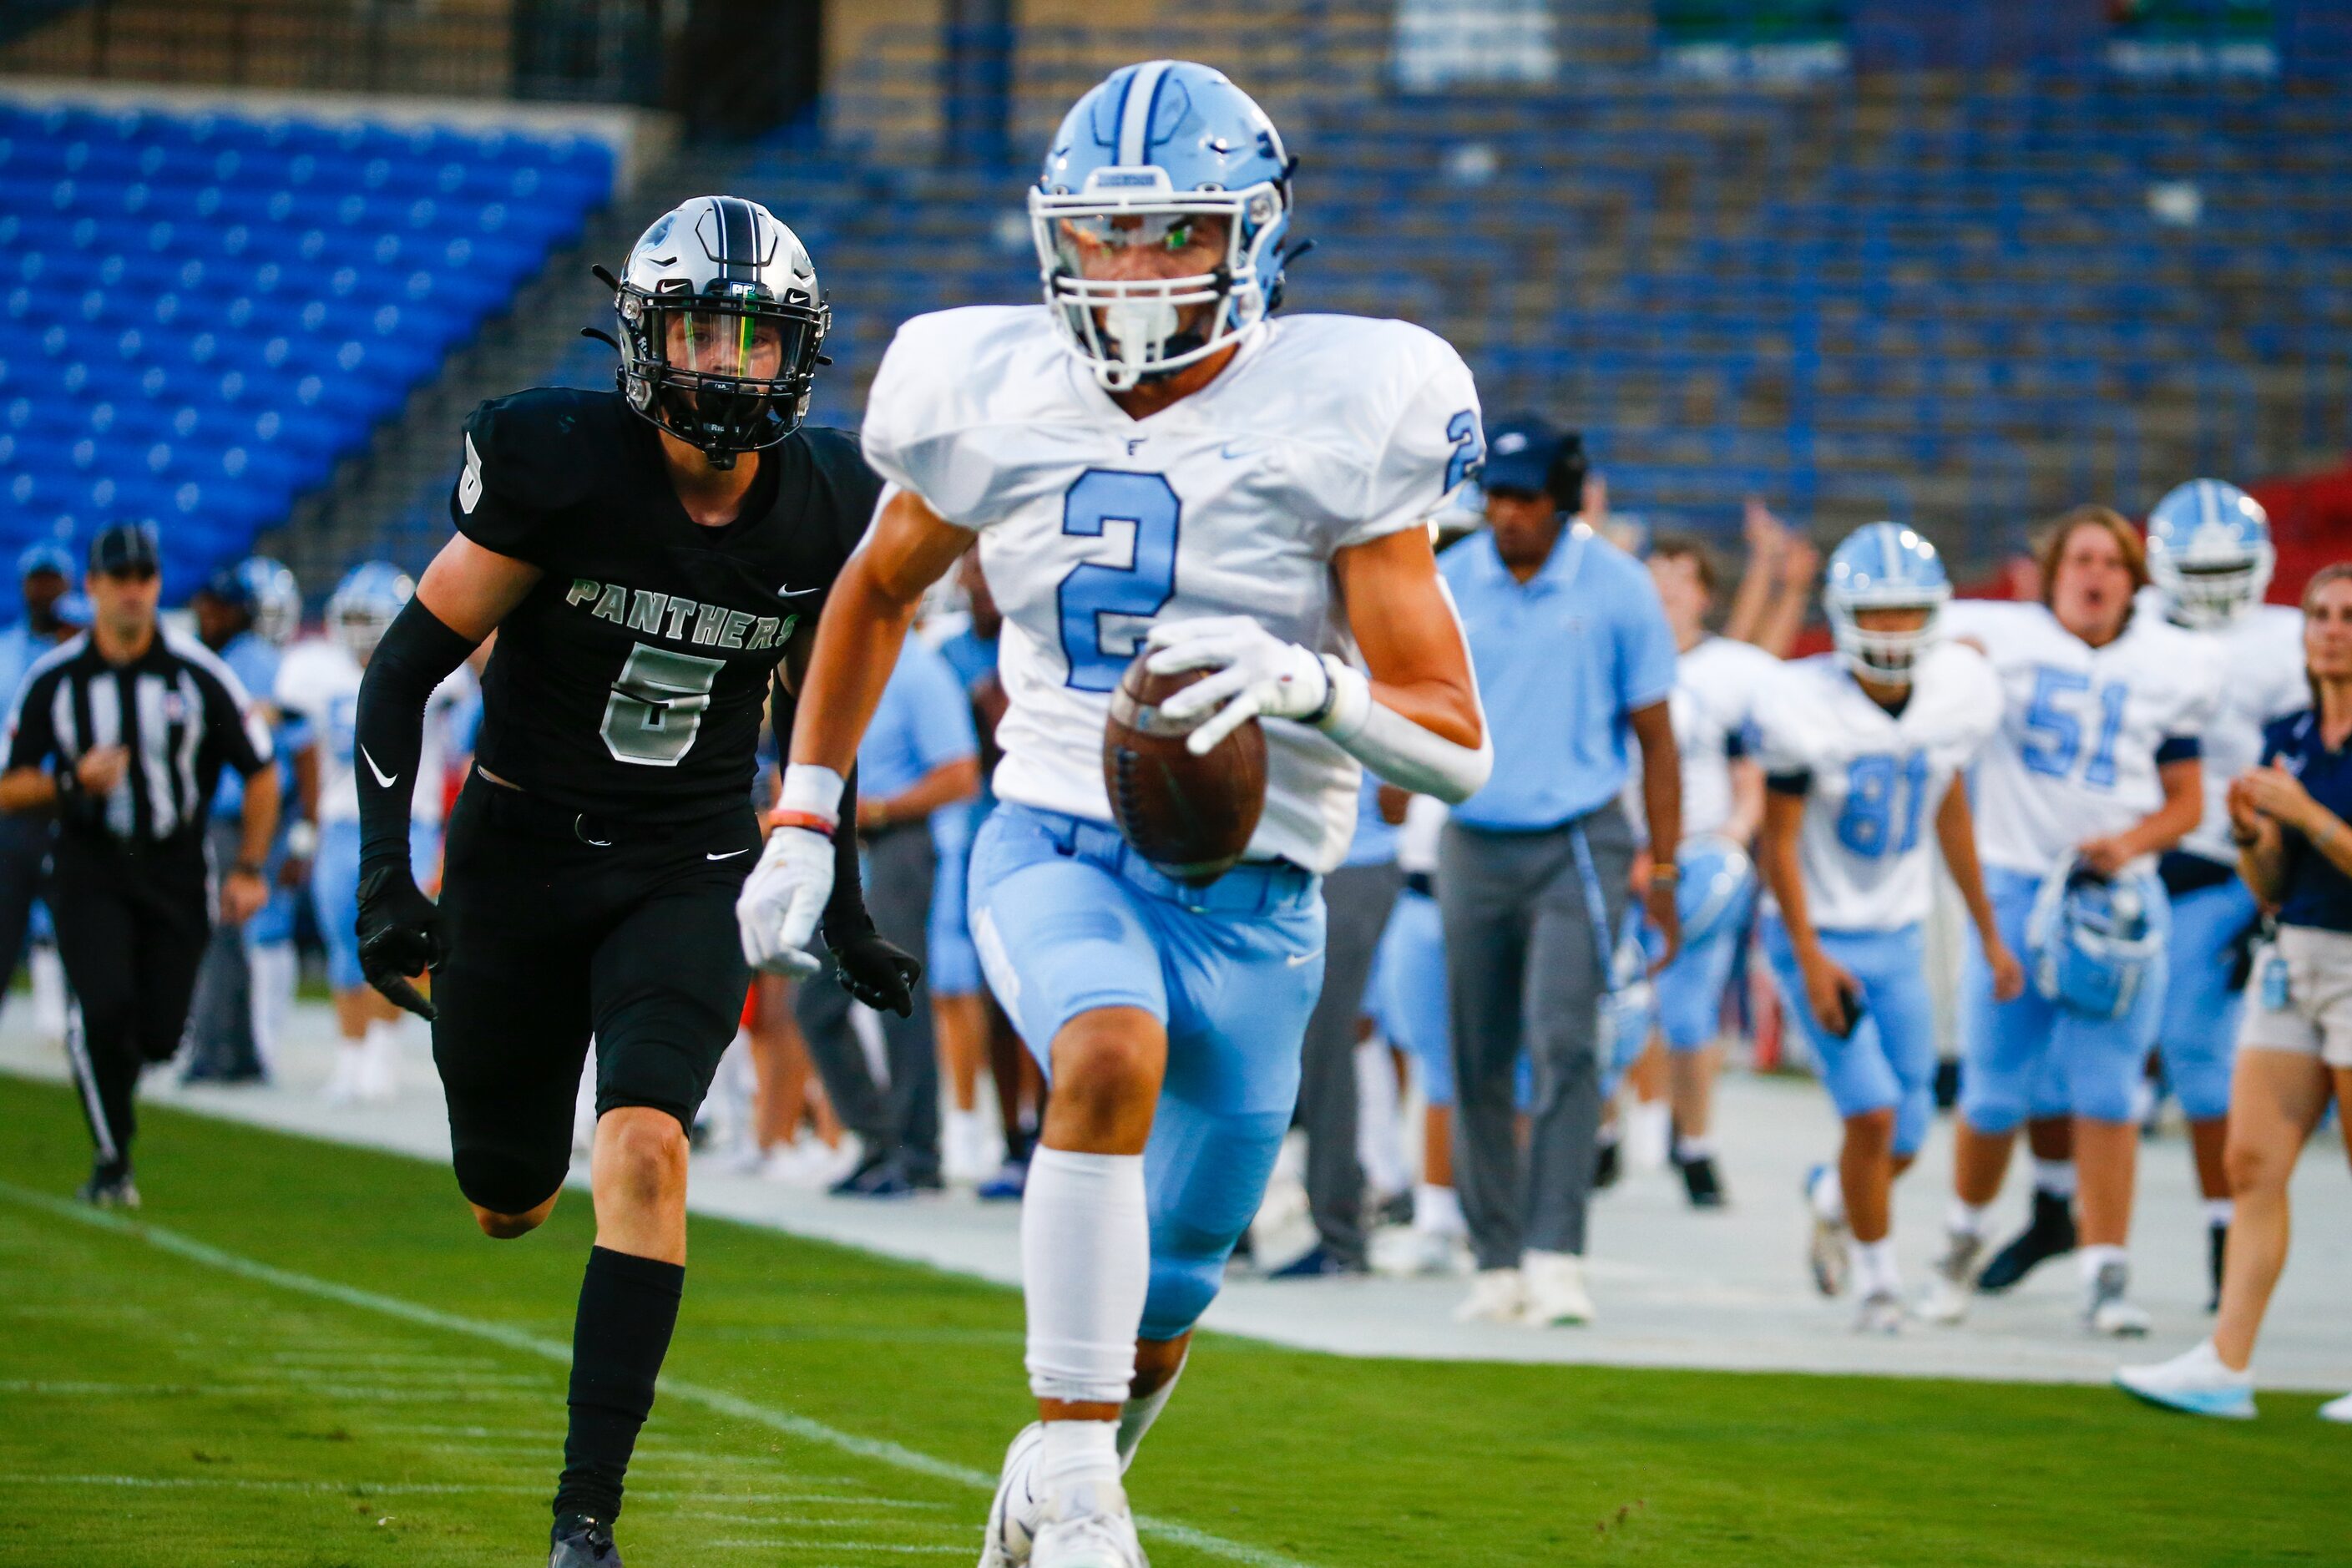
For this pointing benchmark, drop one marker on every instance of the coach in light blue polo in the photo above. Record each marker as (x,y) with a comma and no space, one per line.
(1575,663)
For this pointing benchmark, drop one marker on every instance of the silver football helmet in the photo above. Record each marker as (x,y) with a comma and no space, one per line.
(721,319)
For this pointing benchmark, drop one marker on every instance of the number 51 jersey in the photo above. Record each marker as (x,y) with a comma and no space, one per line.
(630,682)
(1324,432)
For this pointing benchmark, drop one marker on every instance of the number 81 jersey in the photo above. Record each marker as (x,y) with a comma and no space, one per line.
(1323,433)
(631,681)
(1873,780)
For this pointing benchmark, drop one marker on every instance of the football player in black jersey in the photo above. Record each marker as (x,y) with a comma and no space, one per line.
(653,560)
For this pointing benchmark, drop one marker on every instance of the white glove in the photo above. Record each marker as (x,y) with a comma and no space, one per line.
(777,911)
(1258,675)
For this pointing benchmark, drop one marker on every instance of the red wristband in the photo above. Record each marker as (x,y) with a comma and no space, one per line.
(807,819)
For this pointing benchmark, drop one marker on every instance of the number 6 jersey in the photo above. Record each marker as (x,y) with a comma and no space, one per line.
(1324,432)
(630,683)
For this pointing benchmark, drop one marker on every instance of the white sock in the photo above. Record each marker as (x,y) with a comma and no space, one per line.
(2220,1211)
(1827,1194)
(1379,1132)
(383,1035)
(1874,1270)
(1076,1450)
(272,968)
(1135,1417)
(1689,1148)
(2055,1177)
(1966,1219)
(2094,1258)
(1085,1267)
(1438,1210)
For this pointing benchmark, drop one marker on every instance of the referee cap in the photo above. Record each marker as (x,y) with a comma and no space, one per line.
(126,547)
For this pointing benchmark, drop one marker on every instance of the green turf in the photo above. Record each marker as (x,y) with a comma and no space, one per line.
(160,1409)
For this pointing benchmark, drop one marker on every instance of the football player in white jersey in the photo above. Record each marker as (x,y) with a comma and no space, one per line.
(1862,747)
(2208,563)
(2092,774)
(1717,682)
(1152,461)
(319,683)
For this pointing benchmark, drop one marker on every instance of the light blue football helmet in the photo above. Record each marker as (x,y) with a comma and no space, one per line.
(1884,566)
(1629,1008)
(2209,553)
(1714,871)
(364,604)
(1153,145)
(276,598)
(2089,941)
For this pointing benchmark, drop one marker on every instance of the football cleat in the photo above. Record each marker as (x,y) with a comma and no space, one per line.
(1605,1164)
(1012,1515)
(1318,1262)
(580,1541)
(2106,1311)
(1555,1291)
(1700,1182)
(1011,1180)
(2337,1409)
(1946,1300)
(108,1190)
(1085,1524)
(1881,1313)
(1496,1296)
(1825,1254)
(2194,1380)
(2049,1234)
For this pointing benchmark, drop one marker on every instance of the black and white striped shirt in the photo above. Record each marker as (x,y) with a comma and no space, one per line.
(181,712)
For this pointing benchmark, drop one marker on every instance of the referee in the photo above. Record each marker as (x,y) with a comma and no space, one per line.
(123,731)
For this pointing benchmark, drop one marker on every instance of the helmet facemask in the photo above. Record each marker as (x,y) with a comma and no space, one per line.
(727,372)
(1885,656)
(2211,589)
(1129,330)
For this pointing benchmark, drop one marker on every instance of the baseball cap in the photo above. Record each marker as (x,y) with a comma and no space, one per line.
(1520,453)
(45,556)
(126,547)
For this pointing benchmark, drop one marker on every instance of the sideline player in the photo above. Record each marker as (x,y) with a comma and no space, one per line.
(652,560)
(1150,462)
(1863,746)
(2208,563)
(2093,773)
(1717,682)
(320,684)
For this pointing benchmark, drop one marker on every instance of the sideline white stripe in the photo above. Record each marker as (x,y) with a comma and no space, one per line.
(879,1450)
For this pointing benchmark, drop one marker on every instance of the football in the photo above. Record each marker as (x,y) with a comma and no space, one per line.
(1191,817)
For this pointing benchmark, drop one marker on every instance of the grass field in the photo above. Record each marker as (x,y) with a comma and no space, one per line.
(301,1354)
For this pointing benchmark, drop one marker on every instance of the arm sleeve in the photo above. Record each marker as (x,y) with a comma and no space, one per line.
(31,739)
(845,911)
(2178,748)
(1433,447)
(417,653)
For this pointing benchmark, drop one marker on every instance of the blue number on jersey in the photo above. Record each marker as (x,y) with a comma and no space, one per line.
(1136,590)
(1872,784)
(1469,446)
(2054,733)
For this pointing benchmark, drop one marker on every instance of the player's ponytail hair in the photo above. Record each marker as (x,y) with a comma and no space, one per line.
(2334,571)
(2091,515)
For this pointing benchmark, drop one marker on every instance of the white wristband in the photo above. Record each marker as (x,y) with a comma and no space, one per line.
(813,788)
(1396,748)
(1351,700)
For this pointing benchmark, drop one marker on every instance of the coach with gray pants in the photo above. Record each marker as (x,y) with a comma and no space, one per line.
(1574,658)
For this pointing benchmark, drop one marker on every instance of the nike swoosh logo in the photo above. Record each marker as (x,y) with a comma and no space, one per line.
(1227,452)
(1304,958)
(382,778)
(729,856)
(783,593)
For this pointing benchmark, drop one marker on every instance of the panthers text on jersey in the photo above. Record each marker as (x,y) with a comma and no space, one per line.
(1874,780)
(2260,665)
(319,683)
(2083,730)
(1324,432)
(630,682)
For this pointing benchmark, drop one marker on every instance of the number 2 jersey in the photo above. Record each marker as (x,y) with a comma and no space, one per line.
(2085,729)
(630,683)
(1873,780)
(1324,432)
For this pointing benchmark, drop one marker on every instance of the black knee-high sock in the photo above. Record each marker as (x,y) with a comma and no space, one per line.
(628,1305)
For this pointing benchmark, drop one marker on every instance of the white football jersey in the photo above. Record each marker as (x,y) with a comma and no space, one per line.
(1324,432)
(320,680)
(2260,657)
(1713,705)
(2077,753)
(1866,848)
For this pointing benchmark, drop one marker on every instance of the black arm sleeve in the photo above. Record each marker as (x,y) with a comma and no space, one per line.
(845,911)
(417,653)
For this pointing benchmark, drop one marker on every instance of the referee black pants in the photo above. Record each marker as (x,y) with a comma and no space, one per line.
(132,931)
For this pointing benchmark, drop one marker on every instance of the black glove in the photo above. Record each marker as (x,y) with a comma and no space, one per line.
(400,935)
(877,972)
(76,805)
